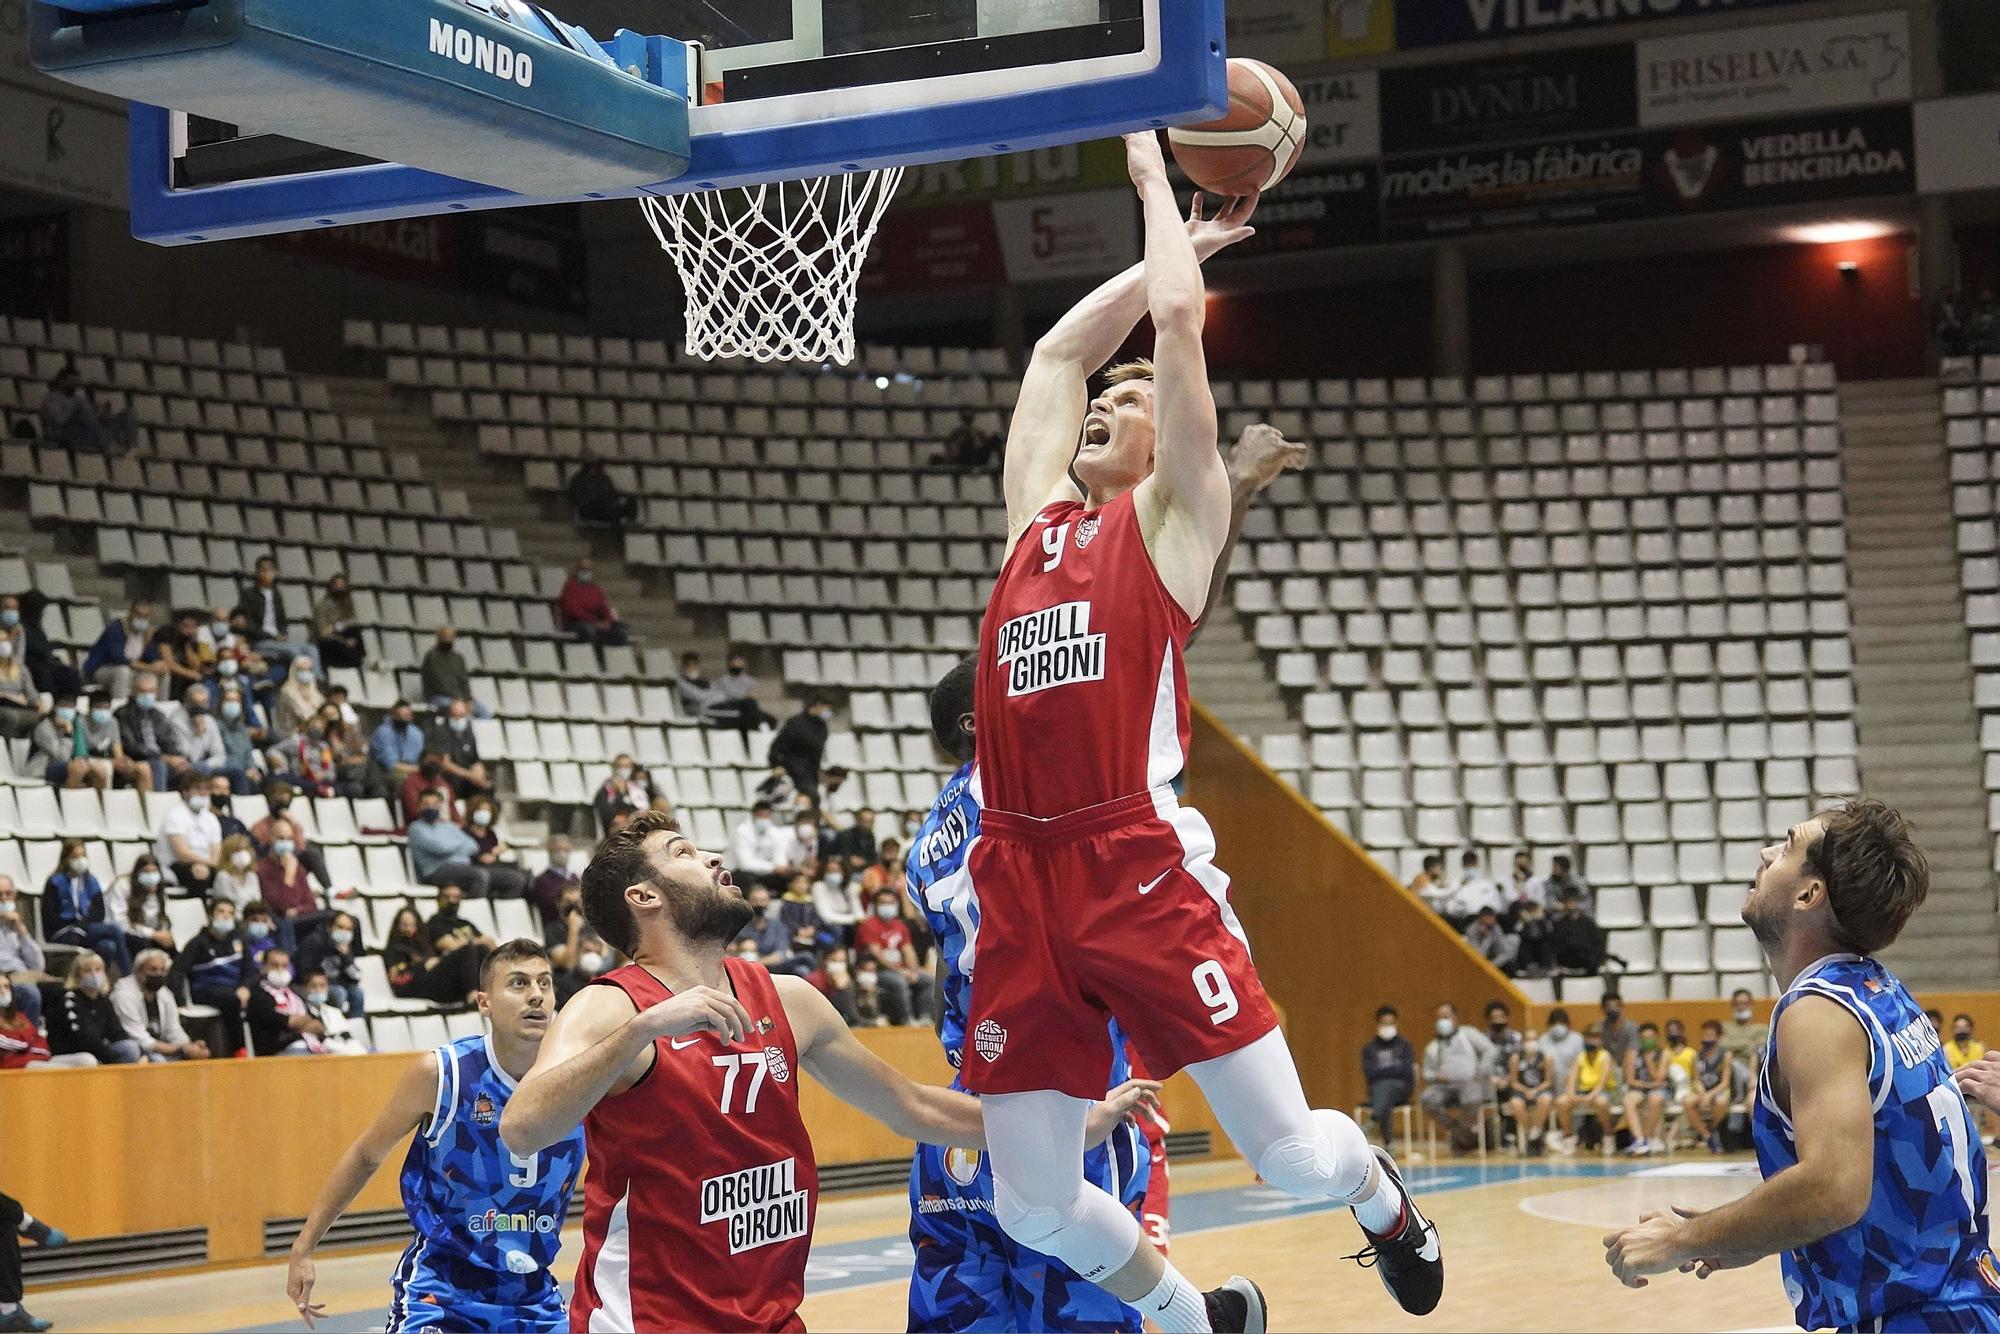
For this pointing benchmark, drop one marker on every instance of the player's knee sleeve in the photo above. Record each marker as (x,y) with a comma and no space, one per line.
(1334,1160)
(1089,1232)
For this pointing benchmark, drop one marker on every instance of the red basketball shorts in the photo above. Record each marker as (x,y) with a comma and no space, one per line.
(1119,910)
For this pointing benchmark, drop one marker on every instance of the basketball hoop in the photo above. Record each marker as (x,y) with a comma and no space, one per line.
(770,271)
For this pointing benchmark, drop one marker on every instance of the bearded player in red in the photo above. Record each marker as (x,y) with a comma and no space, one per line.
(683,1067)
(1096,889)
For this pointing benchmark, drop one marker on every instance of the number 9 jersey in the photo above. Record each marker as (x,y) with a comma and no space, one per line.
(1919,1259)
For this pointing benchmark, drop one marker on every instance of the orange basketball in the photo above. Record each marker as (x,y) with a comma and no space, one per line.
(1253,147)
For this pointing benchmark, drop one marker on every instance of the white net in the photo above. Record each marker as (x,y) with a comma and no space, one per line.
(769,271)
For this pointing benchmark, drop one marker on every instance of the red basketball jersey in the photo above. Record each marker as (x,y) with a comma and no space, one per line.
(698,1209)
(1081,695)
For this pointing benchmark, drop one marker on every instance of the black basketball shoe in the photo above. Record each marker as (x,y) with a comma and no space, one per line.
(1411,1262)
(1237,1307)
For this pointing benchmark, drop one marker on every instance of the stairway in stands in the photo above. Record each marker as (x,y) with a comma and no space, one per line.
(493,486)
(1919,731)
(1227,675)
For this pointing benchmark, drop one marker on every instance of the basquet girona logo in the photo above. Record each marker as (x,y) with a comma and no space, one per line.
(989,1039)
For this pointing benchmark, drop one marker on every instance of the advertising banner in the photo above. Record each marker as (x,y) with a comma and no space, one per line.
(55,145)
(1736,72)
(1089,234)
(1422,23)
(1831,155)
(1356,27)
(1536,96)
(1343,117)
(1279,32)
(1958,144)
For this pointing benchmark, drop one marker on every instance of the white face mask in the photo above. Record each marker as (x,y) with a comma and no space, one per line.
(482,818)
(1385,1031)
(93,983)
(807,834)
(79,865)
(886,911)
(198,802)
(342,937)
(622,772)
(1445,1028)
(279,977)
(1558,1031)
(1743,1014)
(761,825)
(239,860)
(559,861)
(590,962)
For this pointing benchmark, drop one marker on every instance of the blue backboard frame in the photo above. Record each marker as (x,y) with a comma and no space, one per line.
(1187,83)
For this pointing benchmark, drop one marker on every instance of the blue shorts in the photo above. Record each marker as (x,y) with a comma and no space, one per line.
(1941,1317)
(457,1298)
(970,1275)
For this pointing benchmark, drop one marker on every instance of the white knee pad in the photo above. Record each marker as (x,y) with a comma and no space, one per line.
(1335,1161)
(1090,1233)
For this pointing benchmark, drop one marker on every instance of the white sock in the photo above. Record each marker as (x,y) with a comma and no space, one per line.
(1382,1212)
(1175,1306)
(27,1221)
(8,1308)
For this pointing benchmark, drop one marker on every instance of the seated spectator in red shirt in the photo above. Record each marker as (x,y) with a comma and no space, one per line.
(280,1024)
(284,886)
(21,1042)
(429,776)
(885,940)
(586,612)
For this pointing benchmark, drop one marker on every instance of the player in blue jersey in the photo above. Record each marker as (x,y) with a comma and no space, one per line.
(489,1223)
(1874,1185)
(969,1274)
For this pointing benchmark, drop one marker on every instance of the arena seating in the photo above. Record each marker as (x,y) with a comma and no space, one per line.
(1972,434)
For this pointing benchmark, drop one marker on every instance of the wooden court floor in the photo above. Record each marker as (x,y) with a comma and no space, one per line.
(1521,1243)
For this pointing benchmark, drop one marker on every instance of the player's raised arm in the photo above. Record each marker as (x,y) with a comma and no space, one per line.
(413,1101)
(1042,437)
(1825,1057)
(599,1046)
(1184,505)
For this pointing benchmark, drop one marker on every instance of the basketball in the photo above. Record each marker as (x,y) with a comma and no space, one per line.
(1253,147)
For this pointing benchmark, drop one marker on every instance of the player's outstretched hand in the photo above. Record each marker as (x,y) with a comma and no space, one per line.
(1261,453)
(1651,1246)
(1118,1106)
(1225,229)
(299,1287)
(696,1010)
(1144,160)
(1980,1081)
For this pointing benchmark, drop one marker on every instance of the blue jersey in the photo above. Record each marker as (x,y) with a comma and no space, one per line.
(942,890)
(474,1204)
(1919,1256)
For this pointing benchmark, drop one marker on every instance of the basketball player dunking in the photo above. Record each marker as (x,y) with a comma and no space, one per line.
(683,1068)
(1097,893)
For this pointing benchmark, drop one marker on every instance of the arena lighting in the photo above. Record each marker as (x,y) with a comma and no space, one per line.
(1834,233)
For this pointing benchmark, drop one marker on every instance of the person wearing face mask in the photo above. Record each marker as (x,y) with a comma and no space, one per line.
(283,885)
(886,870)
(74,911)
(21,1042)
(138,903)
(19,711)
(547,889)
(428,776)
(835,981)
(336,626)
(1592,1081)
(840,797)
(84,1022)
(149,1014)
(735,700)
(316,991)
(1744,1036)
(886,941)
(450,738)
(587,614)
(333,954)
(21,959)
(1562,1044)
(395,748)
(1529,1096)
(1458,1078)
(199,737)
(235,871)
(279,1022)
(241,740)
(1645,1091)
(1620,1033)
(298,699)
(264,619)
(858,839)
(109,665)
(758,846)
(178,655)
(147,734)
(445,676)
(622,791)
(770,942)
(1717,1083)
(218,971)
(1389,1064)
(191,837)
(800,745)
(63,748)
(504,880)
(441,852)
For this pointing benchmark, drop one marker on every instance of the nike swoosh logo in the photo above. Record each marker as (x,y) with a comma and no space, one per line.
(1154,883)
(677,1044)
